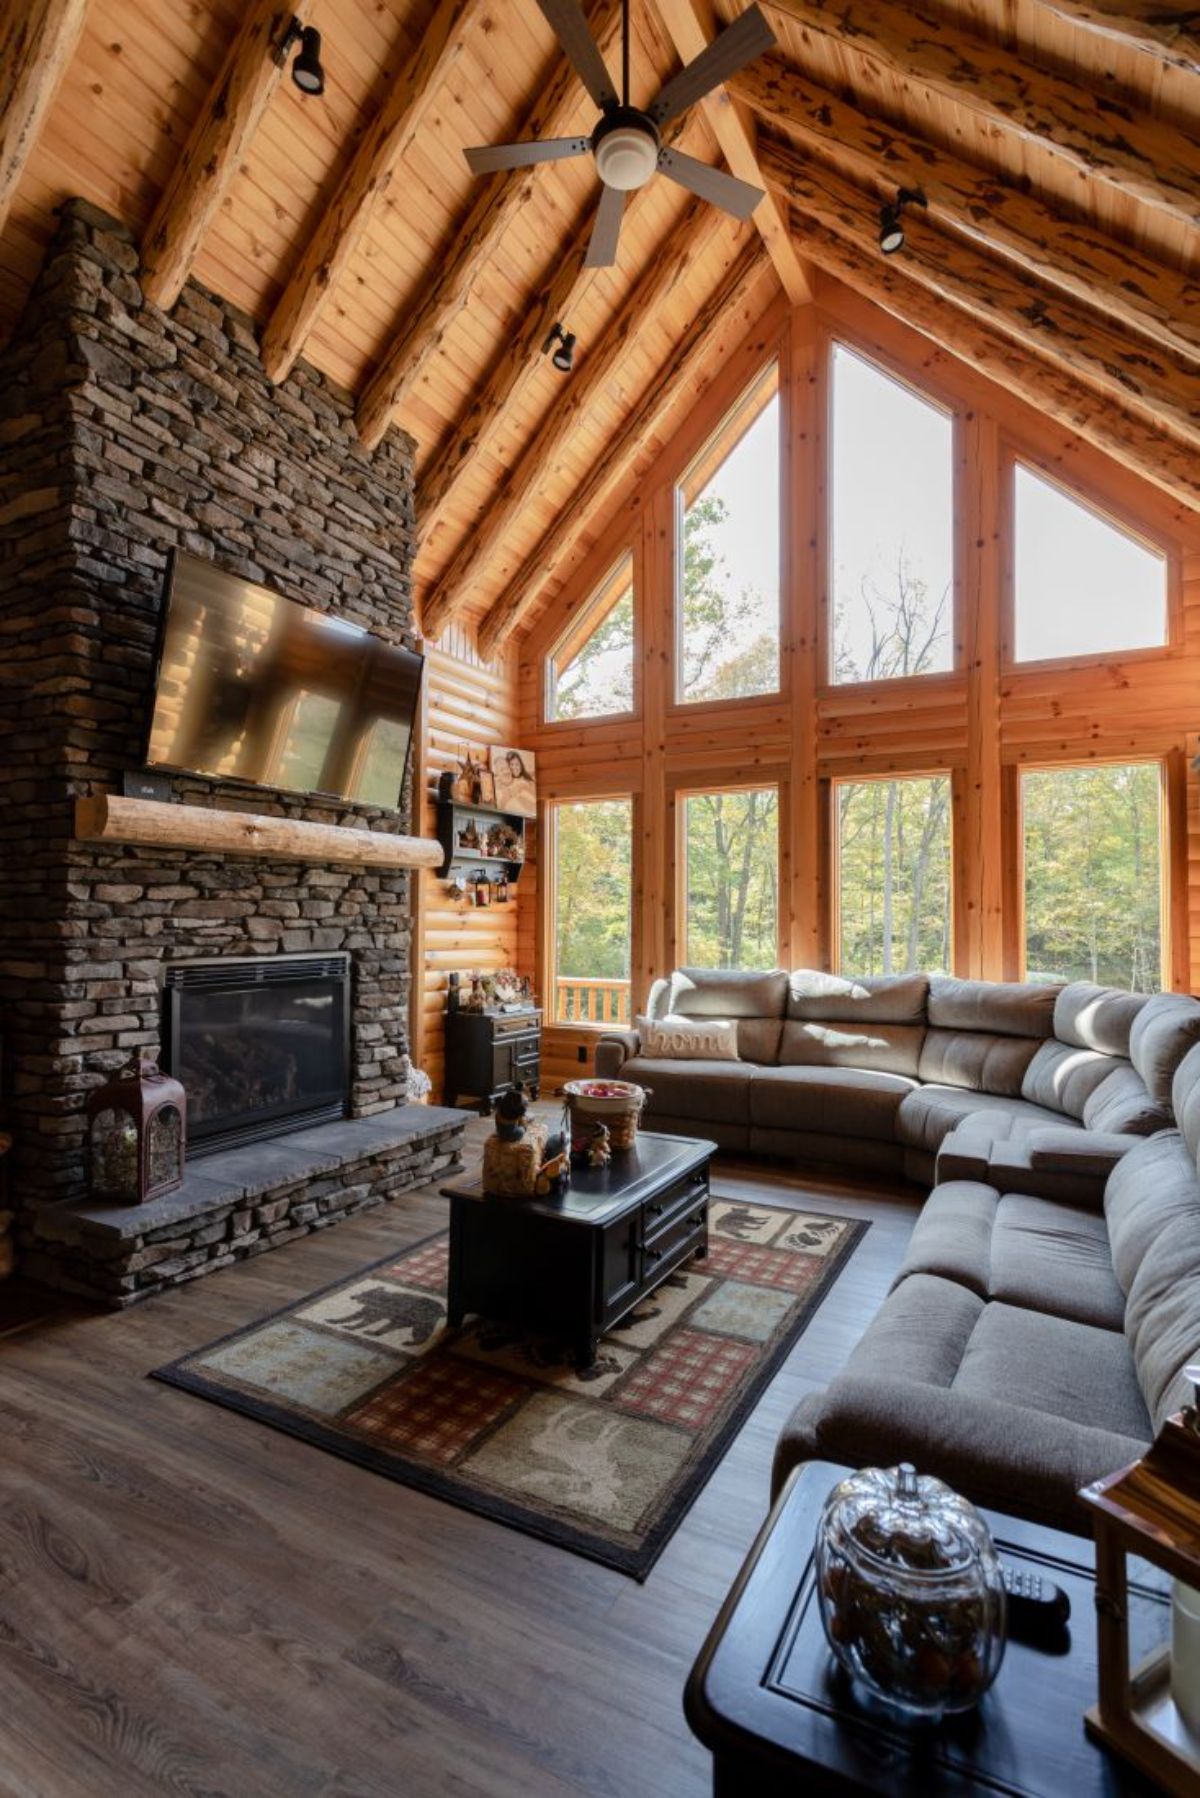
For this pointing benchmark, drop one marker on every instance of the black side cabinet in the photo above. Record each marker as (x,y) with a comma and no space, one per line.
(489,1051)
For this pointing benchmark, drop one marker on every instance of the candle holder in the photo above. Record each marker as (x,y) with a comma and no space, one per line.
(1149,1713)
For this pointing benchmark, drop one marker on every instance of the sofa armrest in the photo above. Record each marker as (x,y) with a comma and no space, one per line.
(613,1050)
(998,1454)
(1080,1151)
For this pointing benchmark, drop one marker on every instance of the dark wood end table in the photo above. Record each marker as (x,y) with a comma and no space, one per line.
(572,1266)
(781,1717)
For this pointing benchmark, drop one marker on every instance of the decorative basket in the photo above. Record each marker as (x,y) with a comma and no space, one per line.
(617,1103)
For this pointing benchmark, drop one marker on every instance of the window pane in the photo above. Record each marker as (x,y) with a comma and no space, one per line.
(894,875)
(728,619)
(731,854)
(309,734)
(593,856)
(1081,584)
(594,678)
(891,525)
(1093,874)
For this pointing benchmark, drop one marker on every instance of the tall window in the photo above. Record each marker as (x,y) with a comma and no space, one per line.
(891,526)
(589,673)
(727,606)
(894,861)
(731,878)
(1082,585)
(1093,874)
(592,888)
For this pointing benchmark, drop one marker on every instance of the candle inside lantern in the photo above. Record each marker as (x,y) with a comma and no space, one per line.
(1185,1654)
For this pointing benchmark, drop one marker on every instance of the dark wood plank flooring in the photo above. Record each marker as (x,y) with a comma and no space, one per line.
(191,1602)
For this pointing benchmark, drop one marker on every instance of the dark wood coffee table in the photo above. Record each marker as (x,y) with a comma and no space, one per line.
(781,1717)
(571,1267)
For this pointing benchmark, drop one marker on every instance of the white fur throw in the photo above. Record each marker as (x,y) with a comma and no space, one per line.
(689,1039)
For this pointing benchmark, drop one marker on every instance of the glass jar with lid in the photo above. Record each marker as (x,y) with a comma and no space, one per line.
(910,1590)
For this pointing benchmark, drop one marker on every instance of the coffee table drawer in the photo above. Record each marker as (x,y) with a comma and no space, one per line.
(660,1213)
(681,1235)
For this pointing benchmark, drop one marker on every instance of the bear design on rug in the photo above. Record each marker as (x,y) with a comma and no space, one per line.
(381,1309)
(741,1222)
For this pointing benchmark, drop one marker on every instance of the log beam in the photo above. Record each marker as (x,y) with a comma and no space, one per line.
(496,204)
(215,147)
(515,366)
(1172,33)
(691,26)
(690,240)
(1102,134)
(1138,374)
(112,818)
(684,370)
(345,220)
(1044,385)
(1066,252)
(37,41)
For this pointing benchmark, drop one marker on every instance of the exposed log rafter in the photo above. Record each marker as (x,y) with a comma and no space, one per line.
(683,370)
(218,140)
(690,239)
(1070,254)
(692,25)
(345,220)
(499,198)
(37,41)
(1101,133)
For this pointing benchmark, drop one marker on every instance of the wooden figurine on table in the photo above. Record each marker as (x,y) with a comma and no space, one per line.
(599,1152)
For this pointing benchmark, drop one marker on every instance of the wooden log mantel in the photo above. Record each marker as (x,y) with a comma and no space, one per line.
(111,818)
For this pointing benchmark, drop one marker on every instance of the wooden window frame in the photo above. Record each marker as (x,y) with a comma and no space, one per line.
(606,594)
(956,776)
(547,829)
(722,780)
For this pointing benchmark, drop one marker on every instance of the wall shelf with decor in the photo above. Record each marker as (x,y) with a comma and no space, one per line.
(480,839)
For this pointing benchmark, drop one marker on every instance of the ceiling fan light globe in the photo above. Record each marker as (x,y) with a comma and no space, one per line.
(627,157)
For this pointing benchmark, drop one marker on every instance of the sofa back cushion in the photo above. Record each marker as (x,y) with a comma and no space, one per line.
(977,1059)
(830,1042)
(822,998)
(755,998)
(1002,1008)
(1165,1028)
(1063,1078)
(1185,1101)
(1152,1209)
(1121,1105)
(1096,1017)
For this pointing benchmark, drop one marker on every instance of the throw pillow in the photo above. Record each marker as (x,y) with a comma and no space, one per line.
(689,1039)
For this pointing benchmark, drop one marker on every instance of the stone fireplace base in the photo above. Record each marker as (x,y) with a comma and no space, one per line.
(241,1201)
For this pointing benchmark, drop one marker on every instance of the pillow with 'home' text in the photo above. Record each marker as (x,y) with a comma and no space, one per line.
(689,1039)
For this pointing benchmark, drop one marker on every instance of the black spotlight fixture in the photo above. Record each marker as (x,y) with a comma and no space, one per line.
(564,356)
(307,72)
(891,218)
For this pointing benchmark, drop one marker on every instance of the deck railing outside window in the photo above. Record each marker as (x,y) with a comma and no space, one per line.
(591,1001)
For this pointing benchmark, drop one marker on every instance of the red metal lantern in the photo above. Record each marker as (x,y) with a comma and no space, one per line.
(137,1135)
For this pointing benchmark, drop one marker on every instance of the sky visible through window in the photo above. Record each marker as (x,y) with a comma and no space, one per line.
(1082,585)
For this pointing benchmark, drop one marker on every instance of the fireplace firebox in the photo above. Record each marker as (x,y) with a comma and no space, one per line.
(261,1044)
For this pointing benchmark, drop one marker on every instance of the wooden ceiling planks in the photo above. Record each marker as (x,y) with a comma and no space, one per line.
(141,70)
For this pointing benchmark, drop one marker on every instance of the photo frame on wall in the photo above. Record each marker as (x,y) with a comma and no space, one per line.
(516,781)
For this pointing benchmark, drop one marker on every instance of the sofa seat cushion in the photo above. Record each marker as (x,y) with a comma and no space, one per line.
(830,1101)
(694,1089)
(1071,1370)
(932,1111)
(1020,1251)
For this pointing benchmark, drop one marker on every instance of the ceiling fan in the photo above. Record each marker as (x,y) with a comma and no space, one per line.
(627,142)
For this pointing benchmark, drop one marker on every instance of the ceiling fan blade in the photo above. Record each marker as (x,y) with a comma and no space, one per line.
(489,157)
(702,179)
(602,246)
(566,19)
(738,44)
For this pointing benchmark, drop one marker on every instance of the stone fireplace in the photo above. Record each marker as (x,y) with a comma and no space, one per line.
(126,433)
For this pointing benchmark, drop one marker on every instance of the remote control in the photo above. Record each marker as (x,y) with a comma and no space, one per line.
(1037,1610)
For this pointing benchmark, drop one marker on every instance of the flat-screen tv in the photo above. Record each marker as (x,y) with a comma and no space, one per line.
(254,687)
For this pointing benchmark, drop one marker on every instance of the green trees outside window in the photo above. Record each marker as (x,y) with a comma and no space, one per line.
(593,678)
(894,875)
(731,879)
(592,886)
(1093,874)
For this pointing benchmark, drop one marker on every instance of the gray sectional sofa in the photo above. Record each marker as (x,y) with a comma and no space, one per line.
(1037,1333)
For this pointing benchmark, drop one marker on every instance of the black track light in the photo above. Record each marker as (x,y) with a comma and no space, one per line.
(891,218)
(564,356)
(307,71)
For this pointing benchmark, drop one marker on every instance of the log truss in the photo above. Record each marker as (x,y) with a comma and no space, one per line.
(1058,250)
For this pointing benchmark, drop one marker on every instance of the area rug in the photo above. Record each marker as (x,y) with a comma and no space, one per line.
(603,1462)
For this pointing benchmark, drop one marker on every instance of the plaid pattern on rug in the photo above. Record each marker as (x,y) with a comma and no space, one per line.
(603,1461)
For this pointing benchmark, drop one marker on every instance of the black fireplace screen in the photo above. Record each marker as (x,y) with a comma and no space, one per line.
(261,1046)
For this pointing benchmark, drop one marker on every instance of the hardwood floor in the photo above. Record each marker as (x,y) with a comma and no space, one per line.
(192,1602)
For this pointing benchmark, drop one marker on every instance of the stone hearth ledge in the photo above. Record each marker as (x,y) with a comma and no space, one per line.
(239,1202)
